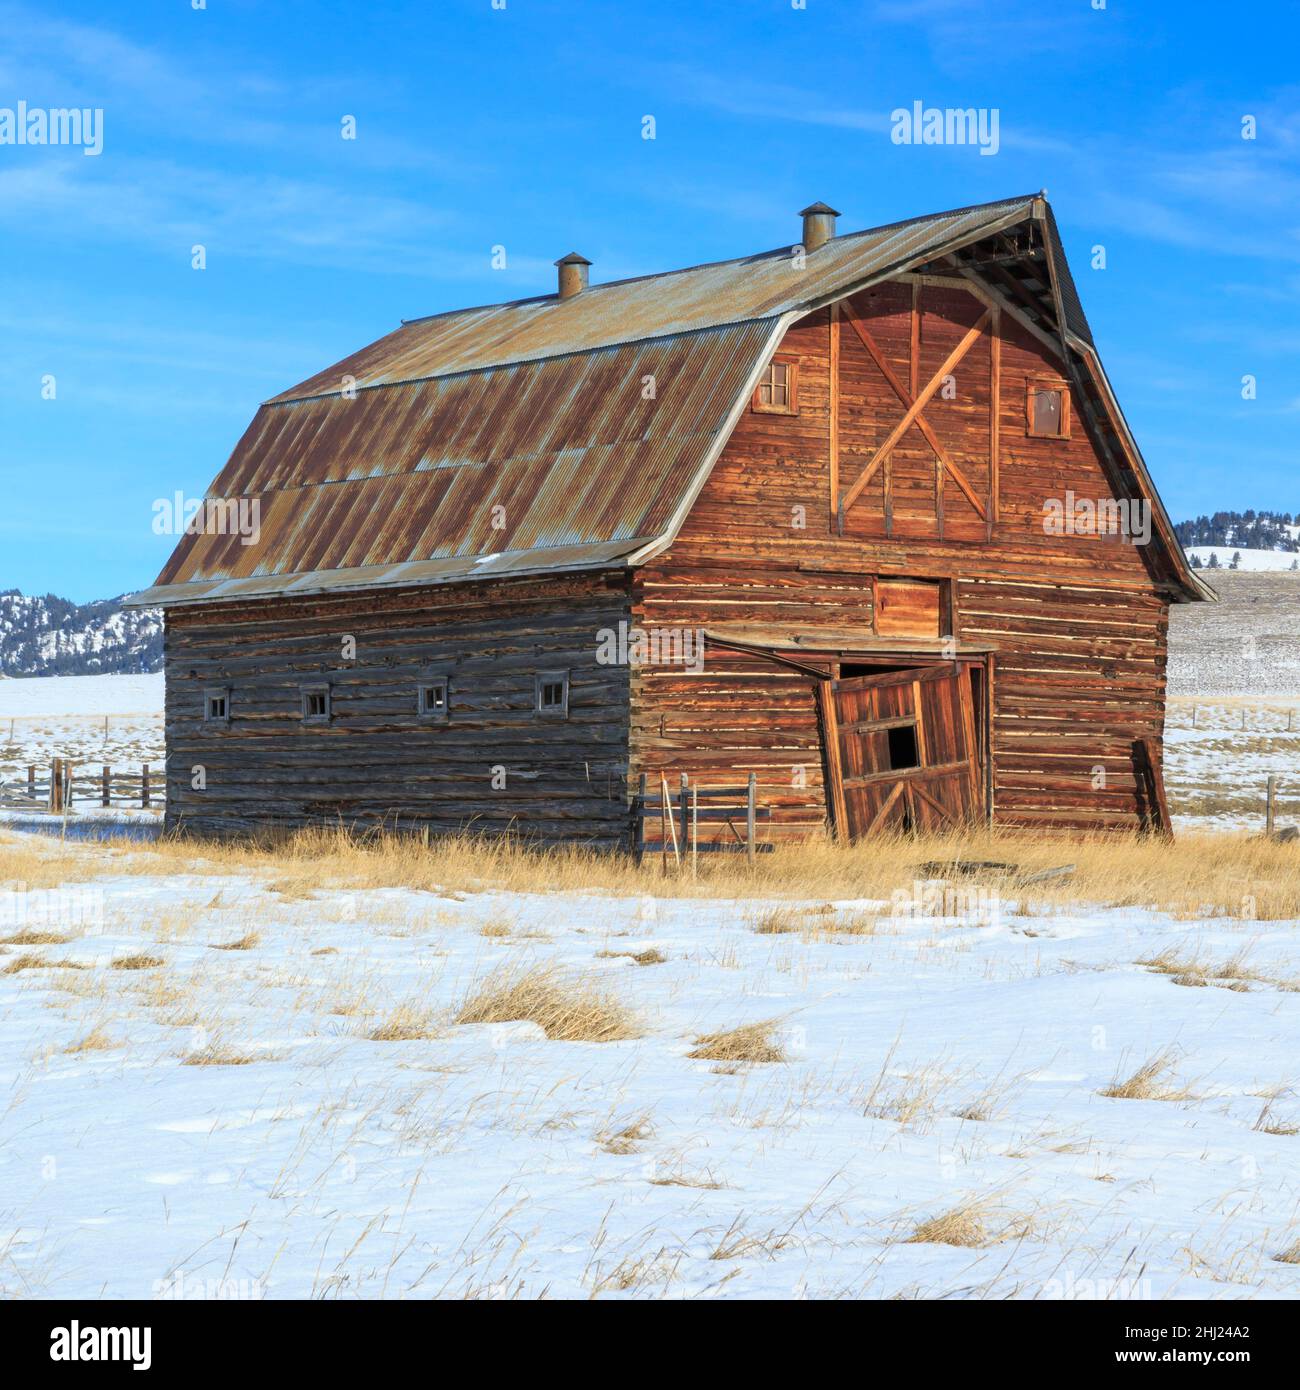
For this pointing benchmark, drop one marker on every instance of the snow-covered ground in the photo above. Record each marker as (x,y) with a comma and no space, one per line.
(92,721)
(937,1062)
(26,697)
(1217,768)
(1249,559)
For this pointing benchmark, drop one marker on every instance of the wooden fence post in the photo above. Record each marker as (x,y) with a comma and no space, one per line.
(56,784)
(640,820)
(31,780)
(144,787)
(683,796)
(1270,801)
(695,832)
(105,786)
(751,819)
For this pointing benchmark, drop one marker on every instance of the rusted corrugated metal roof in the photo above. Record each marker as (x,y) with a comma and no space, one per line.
(546,434)
(679,301)
(536,459)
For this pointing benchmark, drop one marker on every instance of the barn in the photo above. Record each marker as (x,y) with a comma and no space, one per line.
(859,517)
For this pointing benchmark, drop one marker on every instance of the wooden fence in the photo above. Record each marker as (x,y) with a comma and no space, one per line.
(63,785)
(679,816)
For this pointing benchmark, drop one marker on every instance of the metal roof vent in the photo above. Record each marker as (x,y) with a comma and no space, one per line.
(818,225)
(573,274)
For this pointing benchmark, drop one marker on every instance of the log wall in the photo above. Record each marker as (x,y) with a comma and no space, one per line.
(377,760)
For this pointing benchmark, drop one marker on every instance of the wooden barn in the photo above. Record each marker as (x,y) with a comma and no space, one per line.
(859,516)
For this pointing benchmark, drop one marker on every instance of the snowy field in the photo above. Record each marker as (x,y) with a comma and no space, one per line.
(93,721)
(229,1117)
(1246,559)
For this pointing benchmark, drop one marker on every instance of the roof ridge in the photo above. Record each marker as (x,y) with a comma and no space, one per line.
(726,260)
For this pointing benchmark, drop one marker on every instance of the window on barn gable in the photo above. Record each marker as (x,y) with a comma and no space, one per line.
(553,694)
(1047,410)
(778,389)
(316,704)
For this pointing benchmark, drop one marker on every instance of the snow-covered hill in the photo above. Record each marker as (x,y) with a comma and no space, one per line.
(43,635)
(1236,557)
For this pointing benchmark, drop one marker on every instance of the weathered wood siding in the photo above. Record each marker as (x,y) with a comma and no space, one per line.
(377,760)
(1078,621)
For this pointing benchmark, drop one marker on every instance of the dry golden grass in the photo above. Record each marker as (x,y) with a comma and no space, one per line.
(30,961)
(217,1055)
(1203,874)
(566,1009)
(97,1040)
(651,956)
(752,1042)
(1289,1256)
(247,942)
(405,1024)
(1146,1082)
(1266,1122)
(1233,974)
(969,1226)
(137,962)
(29,936)
(625,1137)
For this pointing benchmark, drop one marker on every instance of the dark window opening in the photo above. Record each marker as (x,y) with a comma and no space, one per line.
(553,694)
(902,748)
(316,704)
(433,700)
(216,706)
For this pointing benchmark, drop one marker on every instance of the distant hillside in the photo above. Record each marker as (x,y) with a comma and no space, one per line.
(43,635)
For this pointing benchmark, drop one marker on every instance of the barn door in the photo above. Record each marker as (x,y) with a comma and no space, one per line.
(905,755)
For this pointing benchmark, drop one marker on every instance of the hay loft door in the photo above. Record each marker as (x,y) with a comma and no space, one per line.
(904,753)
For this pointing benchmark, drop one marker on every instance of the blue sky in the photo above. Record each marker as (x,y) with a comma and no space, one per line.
(522,127)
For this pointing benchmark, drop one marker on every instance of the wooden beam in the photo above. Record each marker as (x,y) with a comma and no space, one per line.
(835,407)
(885,809)
(923,424)
(834,768)
(991,297)
(909,418)
(995,413)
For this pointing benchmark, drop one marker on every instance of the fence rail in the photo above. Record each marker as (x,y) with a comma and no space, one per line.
(59,787)
(680,815)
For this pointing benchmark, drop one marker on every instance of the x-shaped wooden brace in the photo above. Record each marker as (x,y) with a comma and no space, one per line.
(913,415)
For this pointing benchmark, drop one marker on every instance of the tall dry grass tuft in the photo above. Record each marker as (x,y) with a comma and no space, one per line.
(406,1023)
(97,1040)
(1146,1082)
(566,1009)
(216,1054)
(969,1226)
(137,962)
(751,1042)
(247,942)
(29,960)
(31,936)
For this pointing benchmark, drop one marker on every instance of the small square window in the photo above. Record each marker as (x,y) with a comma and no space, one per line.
(553,694)
(777,392)
(432,697)
(216,705)
(315,704)
(1047,410)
